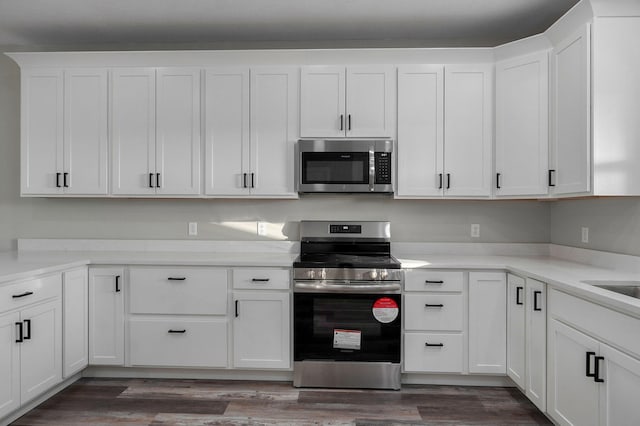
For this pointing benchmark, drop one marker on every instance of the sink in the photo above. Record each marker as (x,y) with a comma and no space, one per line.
(627,288)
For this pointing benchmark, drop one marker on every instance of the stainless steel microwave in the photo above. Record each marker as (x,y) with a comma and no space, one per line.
(344,165)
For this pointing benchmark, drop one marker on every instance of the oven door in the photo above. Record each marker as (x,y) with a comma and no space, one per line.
(347,327)
(335,172)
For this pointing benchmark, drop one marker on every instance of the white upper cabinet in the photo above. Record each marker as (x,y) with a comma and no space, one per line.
(420,130)
(64,132)
(522,125)
(250,131)
(346,102)
(468,129)
(570,171)
(155,129)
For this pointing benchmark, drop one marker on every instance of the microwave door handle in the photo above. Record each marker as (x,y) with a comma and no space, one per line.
(372,170)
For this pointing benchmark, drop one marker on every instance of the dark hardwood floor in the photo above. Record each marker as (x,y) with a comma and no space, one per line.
(215,402)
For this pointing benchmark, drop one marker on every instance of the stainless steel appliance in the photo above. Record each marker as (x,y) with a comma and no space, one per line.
(344,165)
(346,306)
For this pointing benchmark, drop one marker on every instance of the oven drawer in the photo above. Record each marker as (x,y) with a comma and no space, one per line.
(428,280)
(15,296)
(261,279)
(433,312)
(178,290)
(443,356)
(178,343)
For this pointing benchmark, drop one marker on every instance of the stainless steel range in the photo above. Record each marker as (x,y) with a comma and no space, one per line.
(347,306)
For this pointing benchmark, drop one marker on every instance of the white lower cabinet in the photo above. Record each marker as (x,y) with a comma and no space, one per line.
(106,316)
(591,382)
(75,321)
(30,349)
(487,322)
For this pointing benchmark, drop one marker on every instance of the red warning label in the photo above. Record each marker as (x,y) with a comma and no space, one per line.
(385,310)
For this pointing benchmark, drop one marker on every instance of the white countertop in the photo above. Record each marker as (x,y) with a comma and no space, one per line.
(562,274)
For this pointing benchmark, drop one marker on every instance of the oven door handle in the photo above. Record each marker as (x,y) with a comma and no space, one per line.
(352,287)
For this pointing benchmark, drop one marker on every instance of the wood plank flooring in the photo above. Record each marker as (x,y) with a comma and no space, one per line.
(160,402)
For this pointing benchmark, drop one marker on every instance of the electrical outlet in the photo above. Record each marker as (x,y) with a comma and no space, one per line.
(261,228)
(475,230)
(193,228)
(585,234)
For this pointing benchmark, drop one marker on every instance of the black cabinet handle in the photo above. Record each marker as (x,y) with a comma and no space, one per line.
(448,180)
(497,180)
(177,278)
(157,180)
(259,280)
(535,300)
(27,333)
(433,344)
(253,180)
(588,373)
(596,373)
(439,180)
(150,180)
(349,120)
(58,180)
(518,295)
(341,121)
(117,283)
(237,309)
(244,180)
(19,339)
(65,180)
(551,172)
(433,282)
(437,305)
(26,293)
(177,331)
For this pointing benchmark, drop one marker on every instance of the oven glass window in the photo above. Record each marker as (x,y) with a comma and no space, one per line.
(335,167)
(318,316)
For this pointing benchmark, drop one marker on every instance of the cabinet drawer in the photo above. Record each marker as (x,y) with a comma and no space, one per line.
(261,279)
(419,357)
(15,296)
(423,312)
(426,280)
(196,291)
(178,343)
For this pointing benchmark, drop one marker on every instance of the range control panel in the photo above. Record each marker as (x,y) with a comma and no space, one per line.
(383,167)
(345,229)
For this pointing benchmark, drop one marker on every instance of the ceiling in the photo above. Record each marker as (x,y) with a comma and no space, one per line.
(300,23)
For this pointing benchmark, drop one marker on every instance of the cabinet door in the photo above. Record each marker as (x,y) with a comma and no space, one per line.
(536,332)
(572,397)
(106,316)
(322,102)
(368,102)
(177,165)
(522,125)
(85,132)
(261,331)
(133,127)
(226,131)
(274,130)
(420,130)
(41,351)
(41,131)
(75,320)
(516,329)
(571,112)
(9,364)
(487,322)
(468,129)
(620,389)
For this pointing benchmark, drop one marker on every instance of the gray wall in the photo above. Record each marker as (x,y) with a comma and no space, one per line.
(412,220)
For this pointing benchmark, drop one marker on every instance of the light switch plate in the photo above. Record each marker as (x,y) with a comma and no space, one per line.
(193,228)
(475,230)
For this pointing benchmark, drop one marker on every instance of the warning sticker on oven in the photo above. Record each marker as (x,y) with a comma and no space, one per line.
(346,339)
(385,310)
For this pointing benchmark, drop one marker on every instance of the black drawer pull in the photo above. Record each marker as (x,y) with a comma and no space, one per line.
(535,300)
(439,345)
(177,278)
(27,333)
(178,331)
(596,373)
(588,373)
(20,337)
(518,296)
(26,293)
(433,282)
(117,283)
(237,313)
(437,305)
(259,280)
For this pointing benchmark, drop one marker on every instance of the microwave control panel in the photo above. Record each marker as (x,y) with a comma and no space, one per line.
(383,167)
